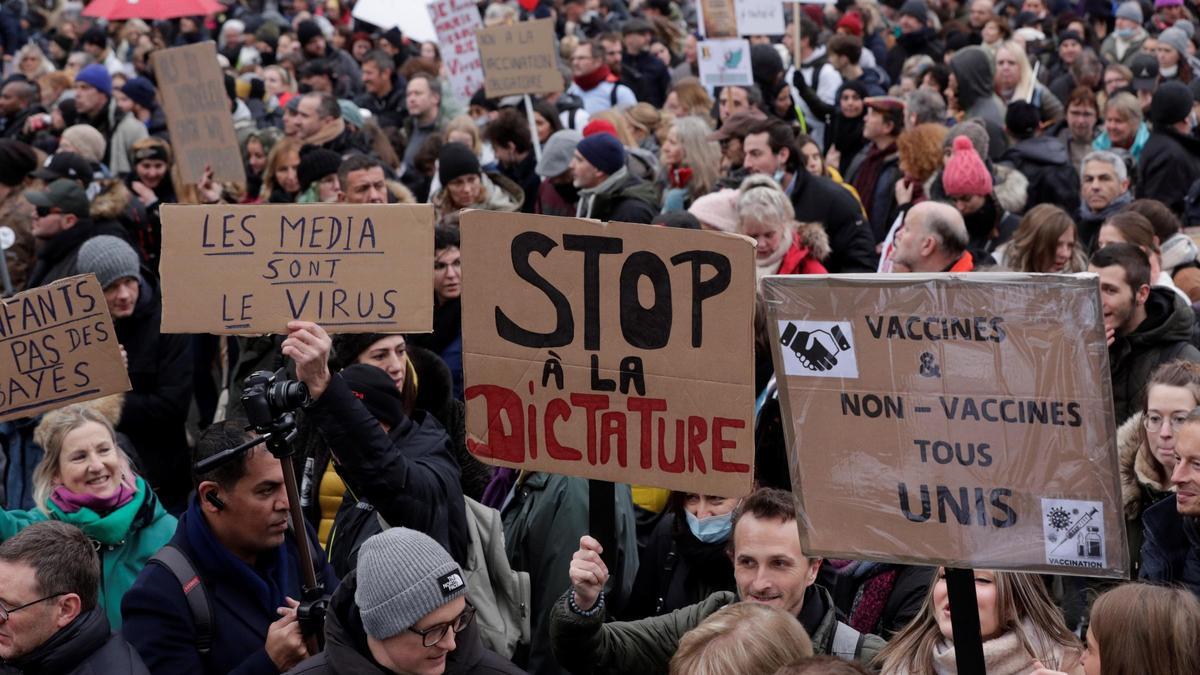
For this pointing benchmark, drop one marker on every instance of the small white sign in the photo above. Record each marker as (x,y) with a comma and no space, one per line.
(1074,533)
(7,237)
(818,348)
(760,17)
(725,63)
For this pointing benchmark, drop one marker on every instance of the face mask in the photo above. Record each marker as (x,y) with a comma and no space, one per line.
(711,530)
(481,122)
(1169,72)
(778,176)
(1125,33)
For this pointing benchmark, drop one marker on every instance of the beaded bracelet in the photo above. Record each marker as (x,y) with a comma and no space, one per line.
(596,609)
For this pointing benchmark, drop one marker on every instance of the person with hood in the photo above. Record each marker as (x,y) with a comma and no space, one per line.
(607,191)
(1170,162)
(466,186)
(844,122)
(155,412)
(916,37)
(1126,41)
(1146,325)
(971,93)
(403,609)
(85,479)
(53,568)
(1043,159)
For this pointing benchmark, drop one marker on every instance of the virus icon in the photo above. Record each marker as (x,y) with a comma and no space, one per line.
(1059,519)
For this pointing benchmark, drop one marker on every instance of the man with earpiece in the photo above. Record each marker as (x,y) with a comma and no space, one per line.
(221,598)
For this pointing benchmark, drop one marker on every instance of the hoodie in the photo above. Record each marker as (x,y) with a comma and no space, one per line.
(975,74)
(1164,336)
(1046,162)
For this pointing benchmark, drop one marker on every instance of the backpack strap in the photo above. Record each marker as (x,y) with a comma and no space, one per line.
(178,564)
(847,642)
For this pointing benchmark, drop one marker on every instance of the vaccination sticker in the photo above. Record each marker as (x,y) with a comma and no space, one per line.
(818,348)
(1074,533)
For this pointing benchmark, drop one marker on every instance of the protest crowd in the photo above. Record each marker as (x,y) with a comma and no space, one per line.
(873,136)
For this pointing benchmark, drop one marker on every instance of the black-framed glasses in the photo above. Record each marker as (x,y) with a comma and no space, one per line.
(1153,422)
(435,634)
(5,612)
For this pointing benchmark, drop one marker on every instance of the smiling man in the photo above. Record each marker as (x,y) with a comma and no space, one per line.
(768,566)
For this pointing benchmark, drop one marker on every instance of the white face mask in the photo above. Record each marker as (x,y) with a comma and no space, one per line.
(481,122)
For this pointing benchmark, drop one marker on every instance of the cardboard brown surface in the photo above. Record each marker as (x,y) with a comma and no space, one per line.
(720,19)
(544,340)
(987,393)
(520,59)
(243,270)
(192,90)
(57,346)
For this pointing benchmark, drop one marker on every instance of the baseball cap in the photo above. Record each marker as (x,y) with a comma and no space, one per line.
(65,165)
(63,194)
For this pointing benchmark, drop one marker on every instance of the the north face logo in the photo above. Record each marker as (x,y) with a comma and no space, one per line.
(451,583)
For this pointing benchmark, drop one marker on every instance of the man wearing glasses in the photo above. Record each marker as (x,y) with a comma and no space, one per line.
(403,610)
(49,617)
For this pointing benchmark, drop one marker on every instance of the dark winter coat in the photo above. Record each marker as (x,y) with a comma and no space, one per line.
(1171,547)
(409,474)
(676,570)
(522,173)
(56,256)
(632,200)
(1169,164)
(14,127)
(654,77)
(881,204)
(1164,336)
(552,202)
(390,110)
(155,413)
(903,603)
(86,646)
(820,200)
(346,651)
(1046,162)
(923,41)
(244,600)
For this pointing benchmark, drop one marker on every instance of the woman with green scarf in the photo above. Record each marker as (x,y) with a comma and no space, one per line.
(85,479)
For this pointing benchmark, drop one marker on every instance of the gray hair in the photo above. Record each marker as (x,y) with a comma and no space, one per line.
(1127,104)
(761,200)
(947,226)
(926,106)
(1106,157)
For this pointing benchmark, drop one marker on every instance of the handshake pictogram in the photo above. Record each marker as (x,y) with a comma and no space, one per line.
(816,350)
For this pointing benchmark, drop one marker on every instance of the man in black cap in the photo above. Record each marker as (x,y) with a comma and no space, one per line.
(65,165)
(16,161)
(643,72)
(1170,161)
(61,225)
(314,46)
(1145,78)
(916,37)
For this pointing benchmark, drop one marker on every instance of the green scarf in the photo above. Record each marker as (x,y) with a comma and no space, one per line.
(111,529)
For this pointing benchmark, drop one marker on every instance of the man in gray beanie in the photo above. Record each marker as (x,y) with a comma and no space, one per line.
(557,194)
(1125,42)
(403,610)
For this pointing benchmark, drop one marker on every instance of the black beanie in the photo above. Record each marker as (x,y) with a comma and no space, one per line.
(455,160)
(347,347)
(17,161)
(1172,103)
(307,30)
(315,164)
(377,392)
(1021,119)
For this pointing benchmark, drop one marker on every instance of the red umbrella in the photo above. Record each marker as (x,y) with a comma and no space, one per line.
(118,10)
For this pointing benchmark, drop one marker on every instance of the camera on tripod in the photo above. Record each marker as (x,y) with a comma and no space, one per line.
(268,396)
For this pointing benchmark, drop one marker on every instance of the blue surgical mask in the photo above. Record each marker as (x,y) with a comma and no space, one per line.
(1125,33)
(711,530)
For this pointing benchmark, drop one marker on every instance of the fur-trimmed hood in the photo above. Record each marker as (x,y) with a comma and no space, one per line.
(1011,188)
(112,202)
(814,237)
(1139,470)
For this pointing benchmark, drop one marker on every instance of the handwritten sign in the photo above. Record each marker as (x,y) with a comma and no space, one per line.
(618,352)
(456,22)
(718,18)
(725,63)
(251,269)
(57,346)
(945,420)
(520,59)
(760,17)
(198,116)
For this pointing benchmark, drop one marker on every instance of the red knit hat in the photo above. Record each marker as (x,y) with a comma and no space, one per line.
(851,23)
(965,173)
(599,127)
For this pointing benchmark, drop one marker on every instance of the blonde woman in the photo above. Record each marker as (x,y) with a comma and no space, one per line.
(33,63)
(689,97)
(745,637)
(1022,630)
(782,246)
(689,163)
(1015,81)
(86,479)
(1138,628)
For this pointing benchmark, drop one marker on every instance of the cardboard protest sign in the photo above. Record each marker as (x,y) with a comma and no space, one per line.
(760,17)
(724,63)
(718,18)
(250,269)
(520,59)
(611,351)
(192,90)
(57,346)
(456,22)
(964,421)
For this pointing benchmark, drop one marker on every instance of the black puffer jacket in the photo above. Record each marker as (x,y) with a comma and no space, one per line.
(86,646)
(1164,336)
(1046,162)
(820,200)
(1169,164)
(676,570)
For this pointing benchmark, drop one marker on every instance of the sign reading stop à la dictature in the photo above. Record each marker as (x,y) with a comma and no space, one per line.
(610,351)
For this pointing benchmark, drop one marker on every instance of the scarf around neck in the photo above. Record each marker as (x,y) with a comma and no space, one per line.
(108,526)
(593,79)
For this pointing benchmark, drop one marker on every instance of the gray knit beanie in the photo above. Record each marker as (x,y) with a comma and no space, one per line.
(402,576)
(109,258)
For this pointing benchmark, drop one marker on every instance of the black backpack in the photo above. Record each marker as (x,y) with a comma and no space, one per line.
(177,563)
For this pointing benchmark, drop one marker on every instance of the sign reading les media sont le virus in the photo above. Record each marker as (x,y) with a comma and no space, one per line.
(57,346)
(964,421)
(246,270)
(611,351)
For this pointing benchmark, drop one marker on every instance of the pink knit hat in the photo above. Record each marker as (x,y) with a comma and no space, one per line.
(717,210)
(965,173)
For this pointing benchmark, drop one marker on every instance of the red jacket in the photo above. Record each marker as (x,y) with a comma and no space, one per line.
(797,260)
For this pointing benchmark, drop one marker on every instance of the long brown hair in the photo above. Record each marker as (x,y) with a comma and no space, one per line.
(283,148)
(1020,598)
(1033,244)
(1142,628)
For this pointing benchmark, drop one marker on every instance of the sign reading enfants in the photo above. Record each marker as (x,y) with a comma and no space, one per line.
(960,421)
(251,269)
(610,351)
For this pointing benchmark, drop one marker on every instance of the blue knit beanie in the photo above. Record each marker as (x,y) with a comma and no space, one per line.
(603,151)
(97,76)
